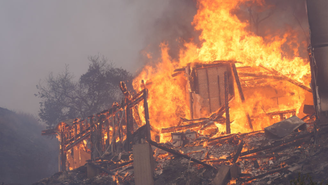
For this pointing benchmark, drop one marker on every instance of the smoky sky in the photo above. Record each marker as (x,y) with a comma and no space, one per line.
(39,37)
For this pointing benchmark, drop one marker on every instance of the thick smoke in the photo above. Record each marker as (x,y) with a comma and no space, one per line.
(172,27)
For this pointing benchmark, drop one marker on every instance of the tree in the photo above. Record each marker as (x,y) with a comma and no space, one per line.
(62,98)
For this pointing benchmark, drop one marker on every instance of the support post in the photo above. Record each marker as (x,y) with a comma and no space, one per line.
(188,90)
(147,114)
(226,95)
(240,90)
(208,91)
(113,147)
(62,151)
(129,128)
(93,139)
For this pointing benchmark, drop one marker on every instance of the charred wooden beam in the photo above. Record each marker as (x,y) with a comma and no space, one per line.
(263,156)
(283,77)
(249,121)
(188,89)
(239,149)
(147,114)
(93,139)
(265,174)
(240,90)
(129,128)
(101,168)
(174,152)
(208,90)
(115,166)
(72,140)
(135,102)
(189,126)
(226,94)
(49,132)
(62,151)
(85,136)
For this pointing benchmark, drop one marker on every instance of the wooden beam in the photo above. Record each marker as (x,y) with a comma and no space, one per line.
(239,149)
(174,152)
(226,95)
(240,90)
(147,114)
(208,91)
(189,126)
(188,90)
(283,77)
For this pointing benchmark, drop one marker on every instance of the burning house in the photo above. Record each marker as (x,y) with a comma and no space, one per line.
(231,107)
(124,131)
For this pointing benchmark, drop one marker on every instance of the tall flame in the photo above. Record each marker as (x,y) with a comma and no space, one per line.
(224,37)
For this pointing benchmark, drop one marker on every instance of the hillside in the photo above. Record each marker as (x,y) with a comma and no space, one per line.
(25,156)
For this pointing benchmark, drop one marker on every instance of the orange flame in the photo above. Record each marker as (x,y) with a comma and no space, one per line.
(224,37)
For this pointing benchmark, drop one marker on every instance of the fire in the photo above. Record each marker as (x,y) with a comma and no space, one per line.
(224,37)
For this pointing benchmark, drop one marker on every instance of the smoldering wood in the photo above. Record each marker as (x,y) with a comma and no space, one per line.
(200,122)
(101,168)
(239,149)
(116,166)
(265,174)
(189,126)
(174,152)
(263,156)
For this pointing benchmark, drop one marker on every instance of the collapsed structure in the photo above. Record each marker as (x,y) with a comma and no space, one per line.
(116,133)
(224,106)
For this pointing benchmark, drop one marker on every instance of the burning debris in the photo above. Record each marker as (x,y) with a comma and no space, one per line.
(208,118)
(122,144)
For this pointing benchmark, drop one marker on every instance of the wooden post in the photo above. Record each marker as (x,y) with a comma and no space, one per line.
(119,127)
(93,139)
(240,90)
(226,95)
(107,130)
(188,90)
(128,128)
(113,143)
(208,91)
(219,90)
(249,121)
(62,151)
(99,136)
(147,114)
